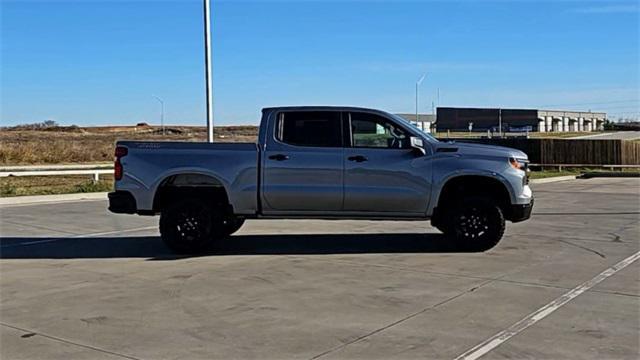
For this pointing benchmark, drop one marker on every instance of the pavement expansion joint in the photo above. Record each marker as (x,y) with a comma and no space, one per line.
(583,248)
(491,343)
(470,290)
(34,226)
(551,286)
(30,333)
(410,316)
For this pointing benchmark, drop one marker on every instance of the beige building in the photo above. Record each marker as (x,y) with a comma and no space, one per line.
(518,120)
(422,122)
(564,121)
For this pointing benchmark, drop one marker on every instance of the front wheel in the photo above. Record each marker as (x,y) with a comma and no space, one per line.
(475,224)
(188,226)
(230,225)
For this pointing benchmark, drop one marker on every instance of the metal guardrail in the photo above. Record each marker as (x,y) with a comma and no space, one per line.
(57,170)
(100,169)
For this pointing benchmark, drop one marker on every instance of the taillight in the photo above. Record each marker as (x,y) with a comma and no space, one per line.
(121,151)
(118,170)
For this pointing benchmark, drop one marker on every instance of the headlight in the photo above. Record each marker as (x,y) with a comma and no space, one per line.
(520,164)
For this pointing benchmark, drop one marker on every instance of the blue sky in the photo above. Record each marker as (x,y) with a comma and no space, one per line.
(100,62)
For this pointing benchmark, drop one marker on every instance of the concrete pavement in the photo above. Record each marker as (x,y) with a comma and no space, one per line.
(620,135)
(77,282)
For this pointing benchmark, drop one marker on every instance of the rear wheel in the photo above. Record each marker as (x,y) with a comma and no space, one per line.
(189,226)
(475,224)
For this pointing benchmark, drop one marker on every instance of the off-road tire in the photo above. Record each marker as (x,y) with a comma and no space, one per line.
(189,226)
(437,223)
(230,225)
(475,224)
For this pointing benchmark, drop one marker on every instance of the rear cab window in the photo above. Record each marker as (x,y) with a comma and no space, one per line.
(309,128)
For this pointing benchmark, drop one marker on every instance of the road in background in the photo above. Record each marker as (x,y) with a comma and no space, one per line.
(79,282)
(621,135)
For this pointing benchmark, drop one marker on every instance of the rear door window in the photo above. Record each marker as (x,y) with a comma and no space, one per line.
(310,128)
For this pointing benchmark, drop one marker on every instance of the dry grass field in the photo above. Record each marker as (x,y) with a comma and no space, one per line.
(73,145)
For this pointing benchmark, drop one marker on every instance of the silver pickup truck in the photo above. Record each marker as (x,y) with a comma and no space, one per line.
(323,163)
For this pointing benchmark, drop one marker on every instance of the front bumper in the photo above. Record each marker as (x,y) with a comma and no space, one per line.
(122,202)
(521,212)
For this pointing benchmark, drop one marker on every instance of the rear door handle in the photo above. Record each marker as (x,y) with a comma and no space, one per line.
(279,157)
(357,158)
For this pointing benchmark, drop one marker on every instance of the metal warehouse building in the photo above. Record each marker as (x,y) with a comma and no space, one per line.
(483,119)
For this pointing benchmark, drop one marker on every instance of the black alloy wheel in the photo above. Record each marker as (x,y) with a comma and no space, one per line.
(475,224)
(188,226)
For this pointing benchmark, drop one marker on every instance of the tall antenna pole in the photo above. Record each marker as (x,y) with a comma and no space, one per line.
(161,113)
(418,84)
(417,116)
(500,121)
(207,60)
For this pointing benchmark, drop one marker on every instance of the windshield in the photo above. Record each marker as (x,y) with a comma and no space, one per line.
(409,124)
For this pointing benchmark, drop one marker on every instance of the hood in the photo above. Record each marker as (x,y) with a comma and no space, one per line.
(480,149)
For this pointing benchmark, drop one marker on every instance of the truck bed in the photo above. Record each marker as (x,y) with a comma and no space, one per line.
(149,163)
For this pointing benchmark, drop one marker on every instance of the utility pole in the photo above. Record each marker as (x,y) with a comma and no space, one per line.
(161,113)
(418,84)
(500,122)
(207,60)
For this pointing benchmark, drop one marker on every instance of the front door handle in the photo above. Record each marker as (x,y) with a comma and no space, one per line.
(279,157)
(357,158)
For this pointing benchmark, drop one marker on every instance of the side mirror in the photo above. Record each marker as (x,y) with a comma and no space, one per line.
(418,146)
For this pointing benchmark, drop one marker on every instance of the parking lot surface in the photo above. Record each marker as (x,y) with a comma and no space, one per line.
(77,282)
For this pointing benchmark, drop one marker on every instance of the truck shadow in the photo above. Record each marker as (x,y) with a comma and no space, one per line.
(151,247)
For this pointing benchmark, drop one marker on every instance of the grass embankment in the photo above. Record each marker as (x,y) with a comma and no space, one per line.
(532,135)
(49,185)
(541,174)
(553,173)
(562,135)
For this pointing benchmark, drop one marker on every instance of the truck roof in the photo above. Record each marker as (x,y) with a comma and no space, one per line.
(323,108)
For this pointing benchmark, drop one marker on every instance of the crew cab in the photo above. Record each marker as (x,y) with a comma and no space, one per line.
(323,163)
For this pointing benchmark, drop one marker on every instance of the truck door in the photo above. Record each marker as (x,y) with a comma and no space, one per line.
(382,172)
(303,163)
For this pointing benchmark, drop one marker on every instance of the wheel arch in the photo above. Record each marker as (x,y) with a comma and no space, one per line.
(462,185)
(182,184)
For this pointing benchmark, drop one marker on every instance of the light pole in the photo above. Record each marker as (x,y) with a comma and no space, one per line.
(161,112)
(500,122)
(207,70)
(418,84)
